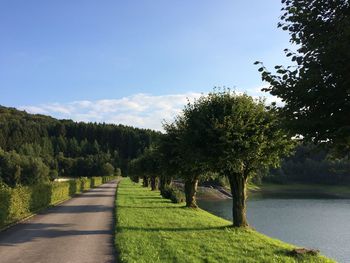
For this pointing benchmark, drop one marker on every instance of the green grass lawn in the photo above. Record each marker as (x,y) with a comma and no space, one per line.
(152,229)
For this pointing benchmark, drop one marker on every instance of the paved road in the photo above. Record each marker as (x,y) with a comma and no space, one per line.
(79,230)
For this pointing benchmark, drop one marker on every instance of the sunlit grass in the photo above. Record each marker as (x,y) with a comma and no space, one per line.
(152,229)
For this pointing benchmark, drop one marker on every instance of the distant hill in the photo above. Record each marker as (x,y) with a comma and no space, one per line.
(62,141)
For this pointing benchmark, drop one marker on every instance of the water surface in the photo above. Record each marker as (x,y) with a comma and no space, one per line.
(322,224)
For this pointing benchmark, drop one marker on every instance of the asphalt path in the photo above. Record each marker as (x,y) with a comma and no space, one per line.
(78,230)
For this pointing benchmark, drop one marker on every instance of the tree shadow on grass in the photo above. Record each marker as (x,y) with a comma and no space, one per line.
(148,197)
(128,194)
(147,207)
(172,229)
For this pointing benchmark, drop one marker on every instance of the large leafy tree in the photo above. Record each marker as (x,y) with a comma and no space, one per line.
(235,136)
(316,90)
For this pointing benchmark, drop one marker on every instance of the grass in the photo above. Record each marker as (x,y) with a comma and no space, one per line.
(152,229)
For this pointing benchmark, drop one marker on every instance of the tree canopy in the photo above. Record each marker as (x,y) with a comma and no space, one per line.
(316,88)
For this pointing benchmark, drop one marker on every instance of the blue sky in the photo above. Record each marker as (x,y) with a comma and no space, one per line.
(56,57)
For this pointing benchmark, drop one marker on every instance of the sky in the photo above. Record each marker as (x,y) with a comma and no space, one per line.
(134,62)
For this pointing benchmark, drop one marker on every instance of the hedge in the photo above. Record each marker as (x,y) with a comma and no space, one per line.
(22,201)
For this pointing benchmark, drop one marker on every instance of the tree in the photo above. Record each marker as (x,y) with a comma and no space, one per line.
(166,158)
(146,166)
(107,169)
(10,168)
(34,171)
(235,136)
(316,89)
(183,161)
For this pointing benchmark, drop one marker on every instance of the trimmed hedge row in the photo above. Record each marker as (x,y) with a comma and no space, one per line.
(20,202)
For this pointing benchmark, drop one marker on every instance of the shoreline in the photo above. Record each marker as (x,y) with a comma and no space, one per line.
(283,191)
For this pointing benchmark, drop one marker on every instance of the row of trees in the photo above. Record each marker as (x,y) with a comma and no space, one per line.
(36,148)
(236,137)
(231,135)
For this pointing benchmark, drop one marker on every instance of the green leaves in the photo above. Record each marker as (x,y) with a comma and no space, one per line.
(227,130)
(315,93)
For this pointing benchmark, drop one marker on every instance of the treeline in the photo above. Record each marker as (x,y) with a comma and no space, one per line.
(38,148)
(311,164)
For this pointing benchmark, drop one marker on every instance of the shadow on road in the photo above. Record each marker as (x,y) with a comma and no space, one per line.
(94,195)
(32,231)
(77,209)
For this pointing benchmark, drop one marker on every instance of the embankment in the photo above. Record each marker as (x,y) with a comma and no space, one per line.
(150,228)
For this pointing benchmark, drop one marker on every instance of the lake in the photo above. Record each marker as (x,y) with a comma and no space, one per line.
(322,224)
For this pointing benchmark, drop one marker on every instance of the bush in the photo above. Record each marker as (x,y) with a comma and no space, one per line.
(135,178)
(5,197)
(22,201)
(74,187)
(85,184)
(166,191)
(177,196)
(96,181)
(19,206)
(107,169)
(40,196)
(59,192)
(117,172)
(172,193)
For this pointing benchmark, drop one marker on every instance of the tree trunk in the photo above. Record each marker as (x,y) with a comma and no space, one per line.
(190,192)
(153,183)
(161,184)
(145,181)
(238,185)
(163,181)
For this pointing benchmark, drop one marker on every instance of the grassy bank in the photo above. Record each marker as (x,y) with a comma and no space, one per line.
(152,229)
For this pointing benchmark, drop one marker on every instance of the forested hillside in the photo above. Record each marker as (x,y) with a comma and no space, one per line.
(311,164)
(35,148)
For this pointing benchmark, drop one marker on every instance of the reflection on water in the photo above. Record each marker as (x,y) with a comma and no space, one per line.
(322,224)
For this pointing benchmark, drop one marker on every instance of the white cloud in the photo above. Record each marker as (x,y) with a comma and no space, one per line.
(257,93)
(139,110)
(34,109)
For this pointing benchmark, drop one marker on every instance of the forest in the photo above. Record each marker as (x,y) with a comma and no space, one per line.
(38,148)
